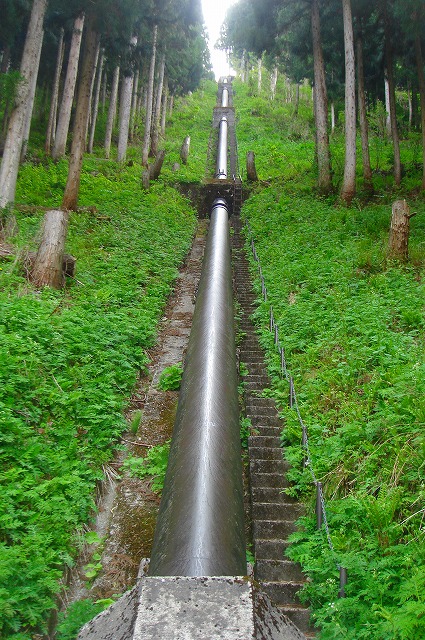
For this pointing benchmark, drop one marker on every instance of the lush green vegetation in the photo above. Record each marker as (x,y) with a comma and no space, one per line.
(70,359)
(352,324)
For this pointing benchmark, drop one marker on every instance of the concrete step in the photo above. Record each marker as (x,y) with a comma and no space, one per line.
(300,616)
(260,409)
(272,529)
(268,466)
(263,421)
(269,480)
(282,593)
(276,511)
(265,453)
(263,431)
(261,403)
(278,571)
(271,494)
(262,442)
(273,549)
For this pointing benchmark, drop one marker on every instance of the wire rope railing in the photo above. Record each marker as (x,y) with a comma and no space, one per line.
(321,508)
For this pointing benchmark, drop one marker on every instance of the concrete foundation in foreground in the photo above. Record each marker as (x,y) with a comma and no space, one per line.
(181,608)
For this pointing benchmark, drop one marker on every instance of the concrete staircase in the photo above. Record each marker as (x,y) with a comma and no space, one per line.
(273,512)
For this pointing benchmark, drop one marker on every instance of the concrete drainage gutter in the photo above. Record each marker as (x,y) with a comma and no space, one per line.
(192,608)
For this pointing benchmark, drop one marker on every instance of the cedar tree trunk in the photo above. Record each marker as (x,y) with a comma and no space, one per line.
(157,116)
(421,82)
(95,109)
(364,129)
(320,104)
(112,111)
(70,196)
(149,105)
(349,182)
(62,128)
(15,131)
(391,90)
(51,125)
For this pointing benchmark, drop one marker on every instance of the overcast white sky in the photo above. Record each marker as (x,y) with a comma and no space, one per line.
(214,12)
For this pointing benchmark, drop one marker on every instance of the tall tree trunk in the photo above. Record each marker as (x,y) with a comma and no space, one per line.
(364,129)
(349,182)
(387,103)
(124,116)
(260,74)
(134,101)
(68,90)
(149,106)
(273,83)
(95,109)
(15,132)
(320,104)
(421,82)
(297,99)
(243,66)
(391,88)
(47,269)
(51,125)
(5,60)
(332,117)
(79,136)
(30,105)
(112,111)
(164,109)
(157,115)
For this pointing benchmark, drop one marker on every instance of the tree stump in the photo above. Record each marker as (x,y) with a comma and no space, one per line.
(184,151)
(146,178)
(155,168)
(399,230)
(251,172)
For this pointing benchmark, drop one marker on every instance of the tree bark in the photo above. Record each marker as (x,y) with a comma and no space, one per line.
(70,196)
(68,90)
(112,111)
(273,83)
(332,117)
(149,105)
(421,83)
(14,137)
(48,264)
(30,106)
(51,125)
(134,103)
(320,104)
(155,168)
(399,231)
(157,115)
(184,151)
(391,89)
(349,182)
(95,109)
(125,109)
(251,172)
(164,110)
(387,103)
(364,129)
(260,75)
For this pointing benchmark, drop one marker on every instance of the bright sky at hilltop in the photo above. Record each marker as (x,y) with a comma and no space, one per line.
(214,13)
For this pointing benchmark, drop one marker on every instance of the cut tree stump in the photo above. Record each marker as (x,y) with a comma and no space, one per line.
(399,231)
(251,172)
(184,151)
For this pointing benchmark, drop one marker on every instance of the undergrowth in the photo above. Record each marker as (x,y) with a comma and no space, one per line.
(69,363)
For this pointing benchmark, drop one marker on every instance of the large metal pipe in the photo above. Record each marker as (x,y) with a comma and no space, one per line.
(200,526)
(225,97)
(221,167)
